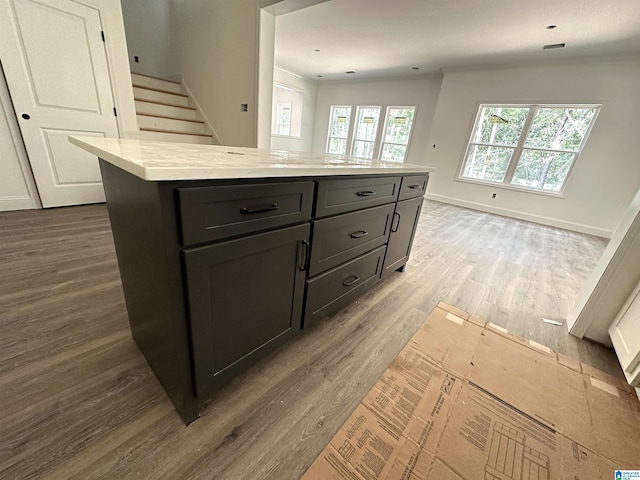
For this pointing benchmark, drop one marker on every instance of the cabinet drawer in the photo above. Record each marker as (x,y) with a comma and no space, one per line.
(212,213)
(336,288)
(339,196)
(338,239)
(413,186)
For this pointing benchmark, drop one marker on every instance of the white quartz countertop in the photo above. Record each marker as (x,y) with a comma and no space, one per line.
(158,161)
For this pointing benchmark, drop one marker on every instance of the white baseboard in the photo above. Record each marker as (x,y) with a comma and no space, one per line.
(17,203)
(506,212)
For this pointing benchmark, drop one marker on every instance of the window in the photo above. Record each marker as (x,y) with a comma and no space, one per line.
(366,128)
(364,138)
(287,111)
(283,118)
(339,129)
(397,132)
(527,146)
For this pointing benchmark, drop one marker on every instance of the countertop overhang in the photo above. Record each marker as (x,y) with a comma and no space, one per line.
(162,161)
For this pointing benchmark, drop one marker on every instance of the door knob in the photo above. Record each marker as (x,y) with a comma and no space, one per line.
(26,116)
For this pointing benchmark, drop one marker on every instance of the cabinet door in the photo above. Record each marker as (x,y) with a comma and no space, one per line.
(245,299)
(403,227)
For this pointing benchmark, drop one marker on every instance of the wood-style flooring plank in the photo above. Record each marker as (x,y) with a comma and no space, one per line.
(79,401)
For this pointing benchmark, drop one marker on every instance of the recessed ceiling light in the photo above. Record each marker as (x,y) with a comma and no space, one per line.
(553,45)
(415,68)
(551,27)
(350,72)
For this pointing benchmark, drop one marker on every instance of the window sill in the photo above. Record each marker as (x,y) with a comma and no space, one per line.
(503,186)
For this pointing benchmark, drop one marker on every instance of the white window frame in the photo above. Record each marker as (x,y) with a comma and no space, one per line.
(376,140)
(281,106)
(296,100)
(519,147)
(380,132)
(349,130)
(384,131)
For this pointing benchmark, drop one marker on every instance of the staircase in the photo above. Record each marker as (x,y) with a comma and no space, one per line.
(165,113)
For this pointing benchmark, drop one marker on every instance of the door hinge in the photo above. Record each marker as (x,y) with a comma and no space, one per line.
(102,35)
(115,112)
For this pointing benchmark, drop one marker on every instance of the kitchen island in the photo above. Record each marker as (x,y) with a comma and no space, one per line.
(226,253)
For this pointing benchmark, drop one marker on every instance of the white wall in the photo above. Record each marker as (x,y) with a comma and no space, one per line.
(215,46)
(309,91)
(267,41)
(420,91)
(607,174)
(17,188)
(147,26)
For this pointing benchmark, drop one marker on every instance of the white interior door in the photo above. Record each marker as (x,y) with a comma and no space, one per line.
(625,336)
(55,64)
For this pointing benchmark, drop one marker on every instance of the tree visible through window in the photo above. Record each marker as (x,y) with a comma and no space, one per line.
(532,146)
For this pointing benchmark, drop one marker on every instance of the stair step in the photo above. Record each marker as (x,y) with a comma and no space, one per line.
(158,108)
(161,90)
(161,122)
(156,83)
(159,135)
(154,95)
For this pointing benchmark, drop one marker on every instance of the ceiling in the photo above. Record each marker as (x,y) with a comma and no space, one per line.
(377,38)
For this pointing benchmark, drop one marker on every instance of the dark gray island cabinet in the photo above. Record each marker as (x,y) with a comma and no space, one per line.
(219,269)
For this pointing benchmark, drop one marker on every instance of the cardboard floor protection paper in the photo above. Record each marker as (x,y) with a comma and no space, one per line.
(466,400)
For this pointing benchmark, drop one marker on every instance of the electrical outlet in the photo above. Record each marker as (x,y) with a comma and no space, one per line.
(493,195)
(244,107)
(136,59)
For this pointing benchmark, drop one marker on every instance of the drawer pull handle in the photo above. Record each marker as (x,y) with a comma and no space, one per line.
(415,187)
(365,193)
(265,208)
(351,280)
(359,234)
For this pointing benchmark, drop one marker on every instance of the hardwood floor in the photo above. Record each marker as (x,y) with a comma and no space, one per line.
(78,400)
